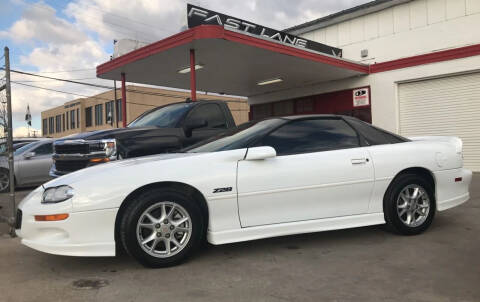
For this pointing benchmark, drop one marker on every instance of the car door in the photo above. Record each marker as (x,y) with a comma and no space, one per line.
(35,169)
(215,118)
(320,171)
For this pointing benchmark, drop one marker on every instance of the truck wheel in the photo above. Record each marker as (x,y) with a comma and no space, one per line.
(162,227)
(4,181)
(409,205)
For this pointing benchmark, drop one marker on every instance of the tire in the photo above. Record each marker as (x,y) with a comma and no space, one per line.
(4,181)
(398,207)
(162,228)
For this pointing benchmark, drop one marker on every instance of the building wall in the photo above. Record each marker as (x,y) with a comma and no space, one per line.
(139,100)
(406,30)
(409,29)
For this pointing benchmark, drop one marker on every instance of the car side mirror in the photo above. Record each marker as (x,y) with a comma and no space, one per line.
(259,153)
(29,155)
(193,124)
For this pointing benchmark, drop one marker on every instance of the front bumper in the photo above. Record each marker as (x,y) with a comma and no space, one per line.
(89,233)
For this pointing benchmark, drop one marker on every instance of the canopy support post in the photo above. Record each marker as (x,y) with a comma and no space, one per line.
(124,101)
(193,79)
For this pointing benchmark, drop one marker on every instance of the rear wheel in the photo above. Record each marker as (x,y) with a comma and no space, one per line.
(162,228)
(409,205)
(4,181)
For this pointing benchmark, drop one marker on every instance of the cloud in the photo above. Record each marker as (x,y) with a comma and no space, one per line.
(23,132)
(39,23)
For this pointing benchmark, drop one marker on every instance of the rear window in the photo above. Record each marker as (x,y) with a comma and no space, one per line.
(374,135)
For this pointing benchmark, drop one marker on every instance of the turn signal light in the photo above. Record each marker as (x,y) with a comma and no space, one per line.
(458,179)
(99,160)
(56,217)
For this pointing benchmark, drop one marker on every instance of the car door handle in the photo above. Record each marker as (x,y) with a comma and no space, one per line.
(359,161)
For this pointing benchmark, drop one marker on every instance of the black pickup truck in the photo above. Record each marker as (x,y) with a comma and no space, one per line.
(161,130)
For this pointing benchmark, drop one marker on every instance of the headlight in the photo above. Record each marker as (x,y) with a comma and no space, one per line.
(57,194)
(110,147)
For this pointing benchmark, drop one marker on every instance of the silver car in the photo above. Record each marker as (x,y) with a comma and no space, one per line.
(32,164)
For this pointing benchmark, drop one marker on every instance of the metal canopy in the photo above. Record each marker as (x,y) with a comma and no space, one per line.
(232,63)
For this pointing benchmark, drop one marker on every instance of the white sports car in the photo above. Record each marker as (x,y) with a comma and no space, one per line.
(276,177)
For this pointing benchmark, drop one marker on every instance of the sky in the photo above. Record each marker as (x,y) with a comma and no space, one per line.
(68,39)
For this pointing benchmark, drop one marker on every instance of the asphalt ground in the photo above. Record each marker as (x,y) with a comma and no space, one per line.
(362,264)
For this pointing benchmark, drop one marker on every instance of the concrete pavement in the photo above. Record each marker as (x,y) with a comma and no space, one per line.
(363,264)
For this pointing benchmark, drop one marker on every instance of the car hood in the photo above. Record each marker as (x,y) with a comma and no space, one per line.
(108,133)
(113,167)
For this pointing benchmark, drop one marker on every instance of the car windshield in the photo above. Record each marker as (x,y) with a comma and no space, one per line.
(24,148)
(163,117)
(238,138)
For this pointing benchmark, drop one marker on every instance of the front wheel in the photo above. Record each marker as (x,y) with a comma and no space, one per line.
(162,228)
(409,205)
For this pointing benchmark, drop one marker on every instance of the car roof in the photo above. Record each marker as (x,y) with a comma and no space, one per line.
(307,116)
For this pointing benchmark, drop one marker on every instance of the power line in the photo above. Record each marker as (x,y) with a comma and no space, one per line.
(105,86)
(123,17)
(62,71)
(60,91)
(43,81)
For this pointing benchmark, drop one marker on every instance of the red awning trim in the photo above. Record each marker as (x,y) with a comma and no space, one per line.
(434,57)
(218,32)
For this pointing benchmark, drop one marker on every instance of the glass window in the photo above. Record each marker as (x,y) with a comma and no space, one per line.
(163,117)
(72,119)
(63,121)
(375,136)
(98,114)
(66,115)
(88,117)
(51,125)
(43,149)
(118,104)
(238,138)
(44,127)
(109,112)
(78,118)
(311,135)
(58,123)
(212,113)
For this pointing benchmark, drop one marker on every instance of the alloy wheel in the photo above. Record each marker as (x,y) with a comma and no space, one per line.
(413,205)
(164,229)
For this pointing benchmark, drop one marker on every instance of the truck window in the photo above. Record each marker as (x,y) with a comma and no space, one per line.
(212,113)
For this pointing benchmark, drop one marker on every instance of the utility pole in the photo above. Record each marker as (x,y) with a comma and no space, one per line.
(10,142)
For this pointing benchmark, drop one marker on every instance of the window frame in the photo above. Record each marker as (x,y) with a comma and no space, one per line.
(255,142)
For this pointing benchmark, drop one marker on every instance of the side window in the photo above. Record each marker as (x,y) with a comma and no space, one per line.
(313,135)
(212,113)
(375,136)
(44,149)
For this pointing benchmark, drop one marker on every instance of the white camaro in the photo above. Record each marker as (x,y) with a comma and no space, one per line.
(276,177)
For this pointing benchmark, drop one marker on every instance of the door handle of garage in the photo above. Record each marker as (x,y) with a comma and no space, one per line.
(359,161)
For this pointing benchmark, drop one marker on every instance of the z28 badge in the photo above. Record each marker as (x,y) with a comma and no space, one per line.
(221,190)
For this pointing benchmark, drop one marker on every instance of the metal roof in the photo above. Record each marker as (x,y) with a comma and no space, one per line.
(344,15)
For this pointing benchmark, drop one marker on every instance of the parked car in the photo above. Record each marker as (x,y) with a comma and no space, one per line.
(161,130)
(31,165)
(280,176)
(18,142)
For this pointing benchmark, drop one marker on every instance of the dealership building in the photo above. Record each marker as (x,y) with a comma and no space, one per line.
(409,66)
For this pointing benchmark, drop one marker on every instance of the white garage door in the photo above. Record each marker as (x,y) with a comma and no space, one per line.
(444,106)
